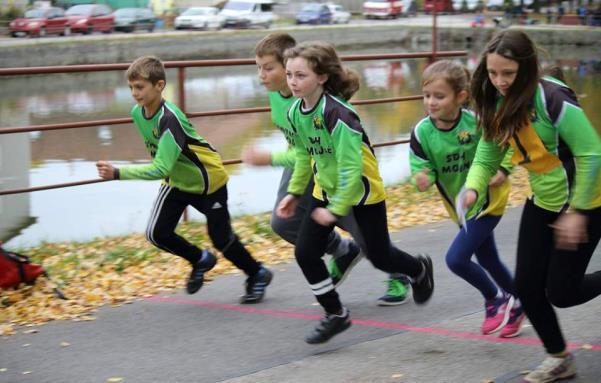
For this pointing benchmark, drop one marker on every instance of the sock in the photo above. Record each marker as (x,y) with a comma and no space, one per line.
(562,354)
(342,248)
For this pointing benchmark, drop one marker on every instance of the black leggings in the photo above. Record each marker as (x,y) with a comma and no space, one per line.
(168,209)
(547,276)
(313,238)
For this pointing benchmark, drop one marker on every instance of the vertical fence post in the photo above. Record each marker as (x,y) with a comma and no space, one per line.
(434,36)
(181,100)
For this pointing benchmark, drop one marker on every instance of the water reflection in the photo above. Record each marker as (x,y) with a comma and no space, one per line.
(114,208)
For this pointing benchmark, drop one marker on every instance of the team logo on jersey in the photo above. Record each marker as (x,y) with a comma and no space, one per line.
(533,116)
(464,137)
(317,122)
(155,132)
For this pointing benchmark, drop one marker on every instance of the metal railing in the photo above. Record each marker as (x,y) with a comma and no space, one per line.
(181,66)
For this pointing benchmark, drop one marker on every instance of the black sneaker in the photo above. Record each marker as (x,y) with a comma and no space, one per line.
(423,289)
(329,326)
(339,268)
(206,262)
(256,285)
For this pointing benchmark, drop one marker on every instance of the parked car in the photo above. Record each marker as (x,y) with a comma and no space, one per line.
(200,18)
(388,9)
(248,13)
(467,5)
(339,14)
(89,18)
(444,6)
(314,13)
(131,19)
(40,22)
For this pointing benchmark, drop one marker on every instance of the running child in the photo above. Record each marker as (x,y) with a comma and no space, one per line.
(540,118)
(269,56)
(192,174)
(443,146)
(330,142)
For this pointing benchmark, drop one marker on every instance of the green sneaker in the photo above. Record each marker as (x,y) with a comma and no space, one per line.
(396,293)
(339,268)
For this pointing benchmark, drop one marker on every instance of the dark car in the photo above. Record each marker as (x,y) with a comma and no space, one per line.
(40,22)
(88,18)
(131,19)
(314,13)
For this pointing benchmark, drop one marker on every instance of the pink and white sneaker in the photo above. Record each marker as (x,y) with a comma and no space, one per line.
(497,313)
(514,323)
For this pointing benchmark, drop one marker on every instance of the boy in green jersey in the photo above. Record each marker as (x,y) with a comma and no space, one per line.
(192,174)
(269,54)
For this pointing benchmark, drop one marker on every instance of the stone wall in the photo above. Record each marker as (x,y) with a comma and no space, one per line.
(239,44)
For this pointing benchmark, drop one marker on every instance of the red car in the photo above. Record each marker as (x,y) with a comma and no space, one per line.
(40,22)
(89,18)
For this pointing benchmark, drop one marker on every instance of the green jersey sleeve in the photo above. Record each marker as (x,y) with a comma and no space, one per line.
(285,158)
(302,164)
(163,159)
(584,143)
(418,158)
(487,161)
(347,142)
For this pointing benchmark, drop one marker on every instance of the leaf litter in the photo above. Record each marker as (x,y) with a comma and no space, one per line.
(119,270)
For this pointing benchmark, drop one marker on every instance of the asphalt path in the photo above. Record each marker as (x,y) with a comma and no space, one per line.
(209,337)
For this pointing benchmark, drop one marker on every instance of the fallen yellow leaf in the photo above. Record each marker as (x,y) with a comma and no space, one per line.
(65,344)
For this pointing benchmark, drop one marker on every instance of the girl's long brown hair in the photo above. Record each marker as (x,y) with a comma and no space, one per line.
(500,124)
(322,59)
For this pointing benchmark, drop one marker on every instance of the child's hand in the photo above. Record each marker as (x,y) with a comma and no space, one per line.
(323,216)
(287,206)
(422,181)
(469,198)
(498,179)
(105,170)
(256,157)
(570,231)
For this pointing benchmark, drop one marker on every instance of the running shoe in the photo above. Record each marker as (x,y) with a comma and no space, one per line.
(496,313)
(424,287)
(553,369)
(339,268)
(329,326)
(256,286)
(514,323)
(396,293)
(206,262)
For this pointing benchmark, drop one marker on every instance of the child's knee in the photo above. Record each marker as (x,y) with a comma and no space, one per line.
(455,264)
(560,296)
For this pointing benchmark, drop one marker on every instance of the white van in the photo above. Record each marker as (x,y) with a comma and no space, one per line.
(248,13)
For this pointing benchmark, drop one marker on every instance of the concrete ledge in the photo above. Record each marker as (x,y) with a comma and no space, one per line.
(230,44)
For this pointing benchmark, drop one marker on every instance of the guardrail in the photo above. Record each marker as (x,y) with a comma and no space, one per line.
(180,66)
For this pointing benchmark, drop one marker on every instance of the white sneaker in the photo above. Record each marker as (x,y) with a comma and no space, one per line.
(552,369)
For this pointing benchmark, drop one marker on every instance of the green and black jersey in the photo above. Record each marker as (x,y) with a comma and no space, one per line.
(559,147)
(179,155)
(344,164)
(446,155)
(279,116)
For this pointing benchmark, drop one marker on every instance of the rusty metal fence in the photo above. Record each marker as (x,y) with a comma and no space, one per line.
(181,76)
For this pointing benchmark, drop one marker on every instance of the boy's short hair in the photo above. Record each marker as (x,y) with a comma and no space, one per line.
(274,44)
(147,68)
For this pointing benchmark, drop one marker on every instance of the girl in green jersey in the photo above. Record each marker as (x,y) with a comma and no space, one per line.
(540,118)
(443,146)
(332,146)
